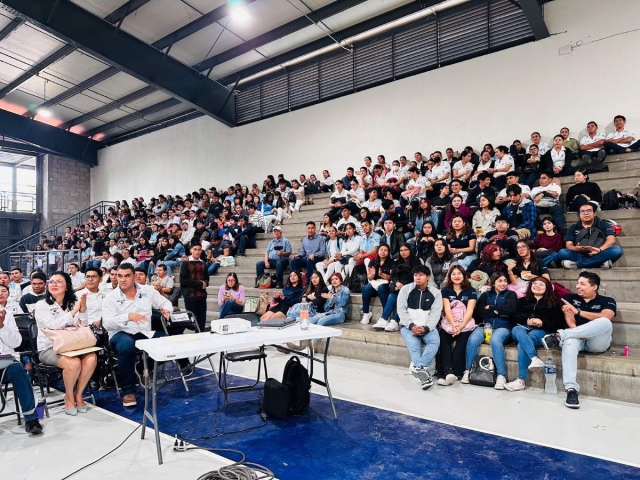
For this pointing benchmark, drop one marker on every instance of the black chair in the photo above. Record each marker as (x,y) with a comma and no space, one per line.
(226,358)
(4,391)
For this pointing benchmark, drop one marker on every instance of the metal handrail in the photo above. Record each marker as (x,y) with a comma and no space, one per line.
(8,198)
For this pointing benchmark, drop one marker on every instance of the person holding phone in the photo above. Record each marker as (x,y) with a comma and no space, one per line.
(231,296)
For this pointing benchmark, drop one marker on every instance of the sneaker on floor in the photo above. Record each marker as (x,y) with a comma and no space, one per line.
(515,386)
(535,363)
(392,326)
(551,340)
(33,428)
(568,264)
(572,401)
(465,377)
(606,265)
(500,382)
(601,155)
(451,379)
(381,324)
(129,400)
(366,318)
(442,381)
(421,373)
(586,160)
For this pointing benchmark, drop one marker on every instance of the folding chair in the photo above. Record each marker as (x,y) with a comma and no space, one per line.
(245,356)
(3,400)
(186,319)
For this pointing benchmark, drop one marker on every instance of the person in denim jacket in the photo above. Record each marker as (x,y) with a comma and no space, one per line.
(335,306)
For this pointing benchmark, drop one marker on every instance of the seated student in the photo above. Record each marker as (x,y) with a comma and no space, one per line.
(527,266)
(231,296)
(395,213)
(496,308)
(536,139)
(537,314)
(392,238)
(378,276)
(15,374)
(348,178)
(276,256)
(519,153)
(489,263)
(312,248)
(38,291)
(355,196)
(369,242)
(327,223)
(456,324)
(456,189)
(592,146)
(313,185)
(462,241)
(440,204)
(549,243)
(503,236)
(6,302)
(298,191)
(345,219)
(326,183)
(569,142)
(312,296)
(588,315)
(333,246)
(457,208)
(463,168)
(546,199)
(440,262)
(416,189)
(483,189)
(578,254)
(425,241)
(350,248)
(419,309)
(484,220)
(484,165)
(502,199)
(621,140)
(175,253)
(257,219)
(216,249)
(520,212)
(287,298)
(503,164)
(439,175)
(531,168)
(374,205)
(335,305)
(582,191)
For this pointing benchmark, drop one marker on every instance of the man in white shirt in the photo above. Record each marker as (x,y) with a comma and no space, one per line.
(546,198)
(374,204)
(592,146)
(107,260)
(94,297)
(345,218)
(536,139)
(512,179)
(440,174)
(456,189)
(126,314)
(16,285)
(621,140)
(127,258)
(77,277)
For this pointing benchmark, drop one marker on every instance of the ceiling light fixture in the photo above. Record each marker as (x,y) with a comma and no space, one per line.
(239,11)
(43,112)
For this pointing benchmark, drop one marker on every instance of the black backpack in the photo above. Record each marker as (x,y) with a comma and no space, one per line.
(296,378)
(590,237)
(611,200)
(358,279)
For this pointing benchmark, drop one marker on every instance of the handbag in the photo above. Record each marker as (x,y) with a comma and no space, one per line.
(263,304)
(483,371)
(291,197)
(227,261)
(264,281)
(376,283)
(250,305)
(70,338)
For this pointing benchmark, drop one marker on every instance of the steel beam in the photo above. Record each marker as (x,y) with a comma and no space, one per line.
(21,148)
(287,29)
(533,11)
(52,139)
(15,23)
(126,9)
(127,53)
(159,125)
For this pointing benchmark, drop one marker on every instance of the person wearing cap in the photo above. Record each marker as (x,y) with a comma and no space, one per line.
(420,308)
(277,256)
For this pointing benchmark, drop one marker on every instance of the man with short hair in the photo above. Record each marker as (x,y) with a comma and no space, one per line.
(94,297)
(546,198)
(392,238)
(16,285)
(483,188)
(520,212)
(77,277)
(112,283)
(348,178)
(107,260)
(456,189)
(512,179)
(256,218)
(536,139)
(592,146)
(127,258)
(126,314)
(419,308)
(374,204)
(621,140)
(312,249)
(588,316)
(277,255)
(140,275)
(39,291)
(345,219)
(246,237)
(164,284)
(590,242)
(569,143)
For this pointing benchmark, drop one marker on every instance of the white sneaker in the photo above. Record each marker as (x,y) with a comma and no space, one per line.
(366,317)
(515,386)
(500,382)
(442,381)
(569,264)
(535,363)
(465,377)
(381,324)
(451,379)
(606,265)
(391,327)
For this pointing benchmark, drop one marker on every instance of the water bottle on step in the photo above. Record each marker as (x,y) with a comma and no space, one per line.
(550,386)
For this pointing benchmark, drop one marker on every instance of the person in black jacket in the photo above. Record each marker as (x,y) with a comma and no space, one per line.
(583,191)
(495,309)
(558,159)
(194,280)
(246,237)
(393,238)
(537,314)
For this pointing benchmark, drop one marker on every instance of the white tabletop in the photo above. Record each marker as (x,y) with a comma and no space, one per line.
(191,345)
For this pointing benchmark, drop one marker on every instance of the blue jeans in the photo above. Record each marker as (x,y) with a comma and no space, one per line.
(555,212)
(466,261)
(612,253)
(230,307)
(213,268)
(528,341)
(123,344)
(598,339)
(280,266)
(170,264)
(499,338)
(15,374)
(420,357)
(298,263)
(389,306)
(368,292)
(327,319)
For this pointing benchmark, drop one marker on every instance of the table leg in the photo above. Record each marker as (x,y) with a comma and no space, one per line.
(145,411)
(326,379)
(154,387)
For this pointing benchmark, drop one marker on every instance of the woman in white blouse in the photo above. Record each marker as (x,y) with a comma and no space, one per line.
(334,246)
(463,168)
(503,164)
(298,191)
(350,247)
(59,310)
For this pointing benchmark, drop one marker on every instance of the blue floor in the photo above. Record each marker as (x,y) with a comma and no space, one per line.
(364,443)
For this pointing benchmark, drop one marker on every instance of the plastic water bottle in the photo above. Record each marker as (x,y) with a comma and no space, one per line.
(550,386)
(304,316)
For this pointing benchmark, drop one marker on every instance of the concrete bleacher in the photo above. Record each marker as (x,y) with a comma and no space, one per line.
(609,375)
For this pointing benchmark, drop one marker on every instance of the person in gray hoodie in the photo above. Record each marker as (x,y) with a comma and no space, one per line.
(419,308)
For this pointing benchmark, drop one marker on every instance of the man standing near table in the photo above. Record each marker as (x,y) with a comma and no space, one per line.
(126,314)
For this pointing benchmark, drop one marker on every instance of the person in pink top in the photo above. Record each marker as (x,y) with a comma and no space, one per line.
(231,296)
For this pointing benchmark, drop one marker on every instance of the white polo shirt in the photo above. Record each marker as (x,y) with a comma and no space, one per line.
(624,133)
(552,187)
(542,148)
(94,303)
(439,170)
(77,279)
(458,166)
(373,206)
(116,308)
(558,158)
(596,138)
(501,163)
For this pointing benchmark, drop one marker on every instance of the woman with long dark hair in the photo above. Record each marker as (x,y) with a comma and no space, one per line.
(378,276)
(231,296)
(490,262)
(440,262)
(312,295)
(425,241)
(527,266)
(549,243)
(457,208)
(287,298)
(462,241)
(583,191)
(58,310)
(538,314)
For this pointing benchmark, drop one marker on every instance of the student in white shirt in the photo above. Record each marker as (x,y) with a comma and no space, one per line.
(350,247)
(94,296)
(440,174)
(126,314)
(621,140)
(374,204)
(58,310)
(6,303)
(463,168)
(546,198)
(512,179)
(326,184)
(77,277)
(503,164)
(592,146)
(536,139)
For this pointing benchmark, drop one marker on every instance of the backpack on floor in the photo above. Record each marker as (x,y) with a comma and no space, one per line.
(296,378)
(483,371)
(276,400)
(611,200)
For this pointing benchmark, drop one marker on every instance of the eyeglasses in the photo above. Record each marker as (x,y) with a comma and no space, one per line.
(586,212)
(56,282)
(91,277)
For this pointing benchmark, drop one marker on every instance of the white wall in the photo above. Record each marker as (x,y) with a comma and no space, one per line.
(495,98)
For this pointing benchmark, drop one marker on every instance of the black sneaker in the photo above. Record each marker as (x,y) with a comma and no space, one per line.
(421,373)
(551,340)
(572,401)
(33,428)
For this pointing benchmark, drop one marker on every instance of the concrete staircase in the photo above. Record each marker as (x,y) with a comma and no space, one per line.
(609,375)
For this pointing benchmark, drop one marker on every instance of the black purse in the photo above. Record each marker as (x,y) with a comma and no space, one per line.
(277,399)
(483,371)
(291,197)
